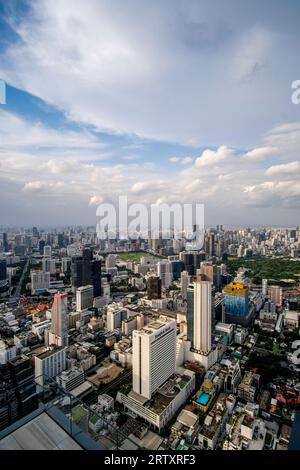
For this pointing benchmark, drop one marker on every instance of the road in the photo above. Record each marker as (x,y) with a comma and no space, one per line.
(18,288)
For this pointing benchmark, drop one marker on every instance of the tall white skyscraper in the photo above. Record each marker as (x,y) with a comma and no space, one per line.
(202,316)
(59,320)
(154,355)
(265,287)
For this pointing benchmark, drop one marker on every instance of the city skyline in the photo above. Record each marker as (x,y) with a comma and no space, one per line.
(184,104)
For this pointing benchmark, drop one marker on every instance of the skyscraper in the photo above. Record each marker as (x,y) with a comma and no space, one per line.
(76,272)
(192,260)
(154,351)
(202,316)
(96,277)
(237,303)
(184,283)
(211,272)
(265,287)
(164,271)
(153,287)
(5,242)
(199,316)
(59,320)
(3,270)
(86,271)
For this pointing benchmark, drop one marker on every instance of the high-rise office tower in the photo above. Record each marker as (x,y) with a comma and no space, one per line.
(42,244)
(164,271)
(211,272)
(153,287)
(76,272)
(60,240)
(87,256)
(192,260)
(188,260)
(5,242)
(3,270)
(154,355)
(86,271)
(184,283)
(96,277)
(177,266)
(59,320)
(265,287)
(211,244)
(22,375)
(200,316)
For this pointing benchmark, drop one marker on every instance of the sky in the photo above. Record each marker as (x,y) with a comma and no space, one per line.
(163,101)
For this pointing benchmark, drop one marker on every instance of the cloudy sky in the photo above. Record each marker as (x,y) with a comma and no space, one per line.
(173,101)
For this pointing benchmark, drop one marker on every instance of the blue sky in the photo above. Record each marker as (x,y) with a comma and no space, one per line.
(168,101)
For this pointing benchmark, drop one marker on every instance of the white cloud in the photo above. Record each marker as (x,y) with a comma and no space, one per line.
(212,157)
(41,186)
(174,159)
(249,189)
(141,186)
(284,168)
(95,200)
(34,187)
(260,153)
(60,167)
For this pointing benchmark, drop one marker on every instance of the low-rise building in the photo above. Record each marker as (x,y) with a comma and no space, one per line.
(161,408)
(70,379)
(248,388)
(214,424)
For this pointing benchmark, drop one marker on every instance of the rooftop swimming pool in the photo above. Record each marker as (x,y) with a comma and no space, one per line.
(203,399)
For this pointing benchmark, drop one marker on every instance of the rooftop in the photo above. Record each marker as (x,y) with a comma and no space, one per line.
(49,352)
(165,394)
(41,433)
